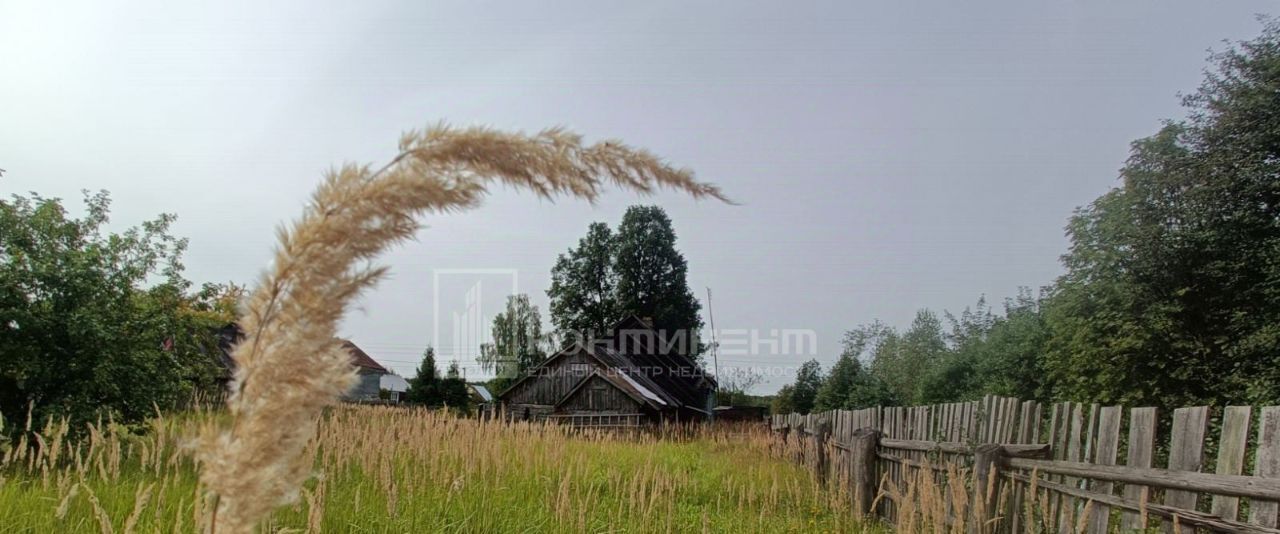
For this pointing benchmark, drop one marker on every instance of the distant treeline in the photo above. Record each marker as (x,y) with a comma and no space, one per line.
(1171,295)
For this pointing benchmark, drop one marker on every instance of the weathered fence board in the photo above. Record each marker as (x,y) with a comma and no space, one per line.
(1231,446)
(1070,458)
(1142,444)
(1186,453)
(1105,452)
(1267,464)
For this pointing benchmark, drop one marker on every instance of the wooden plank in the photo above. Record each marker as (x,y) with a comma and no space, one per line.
(997,419)
(1075,444)
(1090,437)
(1019,495)
(1142,444)
(1200,519)
(984,412)
(1107,446)
(1031,433)
(1267,464)
(1058,440)
(1186,453)
(1175,480)
(1231,445)
(966,421)
(1012,417)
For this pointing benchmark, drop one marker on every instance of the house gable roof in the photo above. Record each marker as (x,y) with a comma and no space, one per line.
(360,359)
(670,381)
(626,389)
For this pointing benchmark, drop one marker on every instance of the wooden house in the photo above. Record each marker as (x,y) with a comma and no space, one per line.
(369,375)
(625,380)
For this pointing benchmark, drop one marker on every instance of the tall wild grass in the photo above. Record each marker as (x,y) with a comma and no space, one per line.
(386,469)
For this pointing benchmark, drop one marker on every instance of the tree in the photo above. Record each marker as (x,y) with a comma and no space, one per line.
(1011,362)
(736,386)
(783,401)
(424,387)
(453,390)
(805,389)
(635,271)
(517,341)
(1173,278)
(850,385)
(651,276)
(95,323)
(583,283)
(903,361)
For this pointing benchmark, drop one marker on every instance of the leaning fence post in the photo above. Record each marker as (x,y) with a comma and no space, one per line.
(863,449)
(820,437)
(987,461)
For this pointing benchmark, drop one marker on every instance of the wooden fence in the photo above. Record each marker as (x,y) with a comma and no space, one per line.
(1066,467)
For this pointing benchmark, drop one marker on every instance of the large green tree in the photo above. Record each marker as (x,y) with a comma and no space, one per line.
(583,284)
(1173,278)
(424,387)
(95,323)
(453,389)
(517,342)
(634,271)
(850,385)
(652,276)
(804,391)
(903,361)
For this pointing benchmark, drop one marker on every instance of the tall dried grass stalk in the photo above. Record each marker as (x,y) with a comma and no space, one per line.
(289,366)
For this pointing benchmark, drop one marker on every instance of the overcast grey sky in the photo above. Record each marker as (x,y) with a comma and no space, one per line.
(888,156)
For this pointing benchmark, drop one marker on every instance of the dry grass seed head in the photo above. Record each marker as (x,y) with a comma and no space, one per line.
(322,263)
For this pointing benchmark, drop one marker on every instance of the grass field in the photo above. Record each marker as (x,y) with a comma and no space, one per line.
(399,470)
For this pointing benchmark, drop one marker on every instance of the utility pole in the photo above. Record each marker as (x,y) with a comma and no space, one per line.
(715,347)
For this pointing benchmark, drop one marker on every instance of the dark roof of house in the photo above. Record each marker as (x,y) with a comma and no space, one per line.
(360,359)
(674,372)
(661,380)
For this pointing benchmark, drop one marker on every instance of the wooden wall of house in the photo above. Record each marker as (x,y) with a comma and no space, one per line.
(599,396)
(368,383)
(552,382)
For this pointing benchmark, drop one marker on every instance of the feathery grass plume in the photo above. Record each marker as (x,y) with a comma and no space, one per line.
(289,365)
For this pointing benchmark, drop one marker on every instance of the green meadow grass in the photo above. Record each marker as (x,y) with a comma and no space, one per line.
(397,470)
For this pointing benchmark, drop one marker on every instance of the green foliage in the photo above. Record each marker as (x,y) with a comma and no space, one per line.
(804,391)
(1010,358)
(1173,278)
(783,401)
(424,387)
(453,389)
(1171,295)
(850,385)
(902,361)
(452,476)
(583,284)
(651,275)
(517,341)
(95,323)
(985,353)
(636,271)
(428,388)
